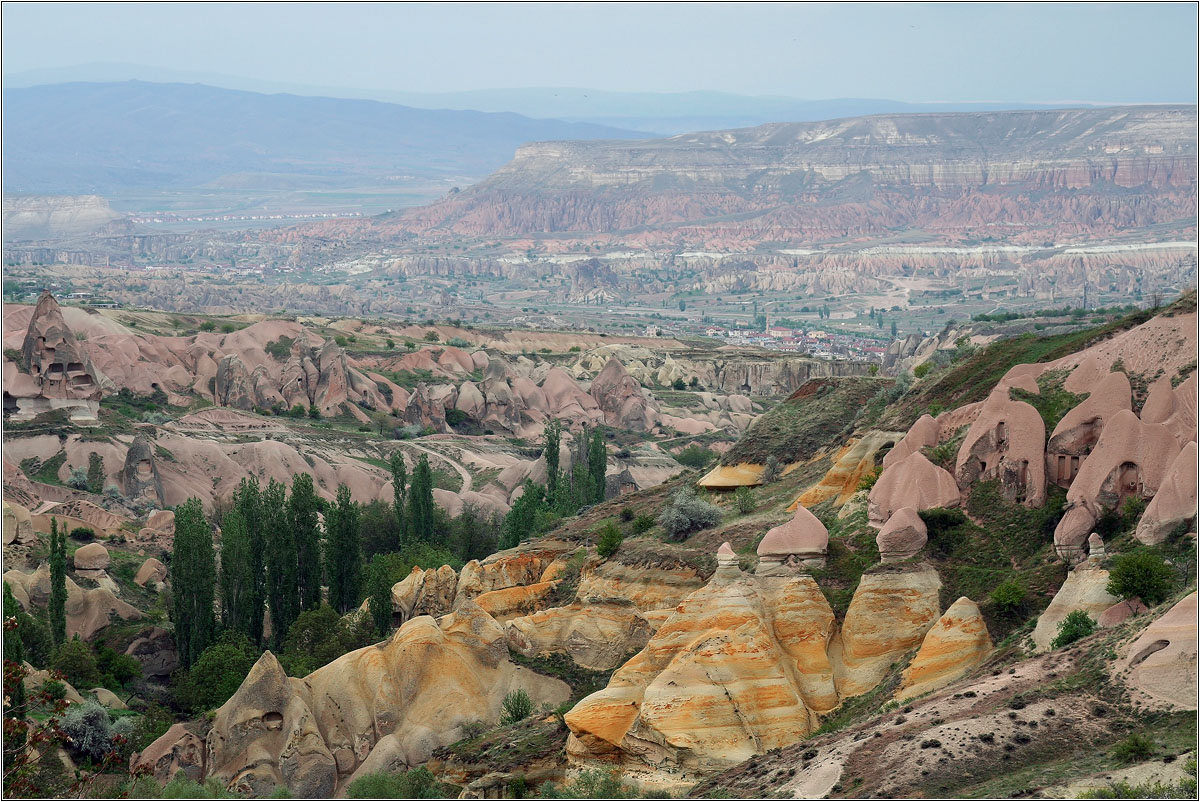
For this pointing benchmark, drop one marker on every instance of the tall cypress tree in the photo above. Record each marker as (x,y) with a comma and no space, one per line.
(420,502)
(248,500)
(303,520)
(553,438)
(597,464)
(399,478)
(193,580)
(379,596)
(283,594)
(58,584)
(343,557)
(236,591)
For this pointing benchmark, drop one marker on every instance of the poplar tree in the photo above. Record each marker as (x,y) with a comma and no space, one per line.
(304,523)
(343,558)
(283,592)
(379,596)
(248,500)
(597,464)
(420,502)
(399,478)
(193,582)
(58,584)
(236,592)
(553,438)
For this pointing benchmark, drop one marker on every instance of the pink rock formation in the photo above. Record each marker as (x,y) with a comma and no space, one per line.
(1175,501)
(1076,434)
(1175,407)
(1161,664)
(803,539)
(1120,611)
(178,749)
(54,358)
(912,482)
(1087,374)
(923,433)
(902,536)
(620,397)
(91,557)
(1007,442)
(152,571)
(1130,459)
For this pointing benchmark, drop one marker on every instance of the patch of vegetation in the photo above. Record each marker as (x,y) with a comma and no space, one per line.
(508,748)
(862,707)
(415,783)
(280,349)
(1076,626)
(1052,402)
(583,681)
(695,456)
(820,412)
(687,513)
(408,379)
(44,472)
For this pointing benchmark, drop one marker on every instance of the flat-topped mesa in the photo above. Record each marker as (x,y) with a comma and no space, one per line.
(793,547)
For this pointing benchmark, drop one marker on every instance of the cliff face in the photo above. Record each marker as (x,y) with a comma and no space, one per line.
(1087,169)
(38,217)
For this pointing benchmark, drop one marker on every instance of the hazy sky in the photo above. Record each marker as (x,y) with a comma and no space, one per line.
(1089,52)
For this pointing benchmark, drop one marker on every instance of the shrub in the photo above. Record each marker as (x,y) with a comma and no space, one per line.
(869,478)
(75,660)
(686,514)
(208,325)
(626,514)
(695,456)
(574,349)
(432,336)
(89,730)
(458,342)
(771,470)
(678,384)
(78,479)
(591,784)
(217,673)
(416,783)
(922,370)
(517,706)
(279,349)
(1008,598)
(1135,748)
(117,668)
(743,501)
(608,540)
(83,534)
(455,417)
(1076,625)
(1132,510)
(643,523)
(1142,574)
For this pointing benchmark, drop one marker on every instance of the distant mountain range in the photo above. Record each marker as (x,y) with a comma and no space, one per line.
(650,112)
(101,138)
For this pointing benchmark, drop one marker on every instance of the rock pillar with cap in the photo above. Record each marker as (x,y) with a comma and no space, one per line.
(793,547)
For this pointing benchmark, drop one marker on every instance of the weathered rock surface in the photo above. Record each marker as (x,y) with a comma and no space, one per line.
(1175,501)
(923,433)
(889,615)
(649,587)
(902,536)
(91,557)
(176,750)
(152,571)
(1084,590)
(1006,442)
(956,644)
(139,475)
(738,669)
(1160,665)
(155,649)
(18,525)
(1077,432)
(801,541)
(621,399)
(597,634)
(911,482)
(55,359)
(88,611)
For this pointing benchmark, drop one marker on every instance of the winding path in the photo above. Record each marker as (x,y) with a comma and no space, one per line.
(458,466)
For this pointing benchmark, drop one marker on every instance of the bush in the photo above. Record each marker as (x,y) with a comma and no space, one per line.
(626,514)
(643,523)
(319,636)
(83,534)
(75,660)
(517,706)
(208,325)
(1076,625)
(678,384)
(743,501)
(608,540)
(686,514)
(1142,574)
(695,456)
(771,470)
(922,370)
(869,478)
(1135,748)
(217,673)
(78,479)
(117,668)
(89,730)
(413,784)
(1008,598)
(455,417)
(591,784)
(432,336)
(458,342)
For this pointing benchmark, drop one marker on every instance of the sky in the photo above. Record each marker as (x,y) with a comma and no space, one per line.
(1109,53)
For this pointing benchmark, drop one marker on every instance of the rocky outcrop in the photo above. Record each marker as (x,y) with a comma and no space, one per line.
(598,634)
(649,587)
(911,482)
(55,371)
(738,669)
(152,572)
(176,750)
(1175,501)
(902,536)
(953,647)
(802,541)
(139,475)
(621,399)
(1085,589)
(18,525)
(1160,665)
(888,616)
(91,557)
(88,611)
(924,433)
(155,649)
(408,695)
(1130,459)
(1077,432)
(424,592)
(1007,442)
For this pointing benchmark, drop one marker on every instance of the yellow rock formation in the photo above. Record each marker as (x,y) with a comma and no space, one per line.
(956,644)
